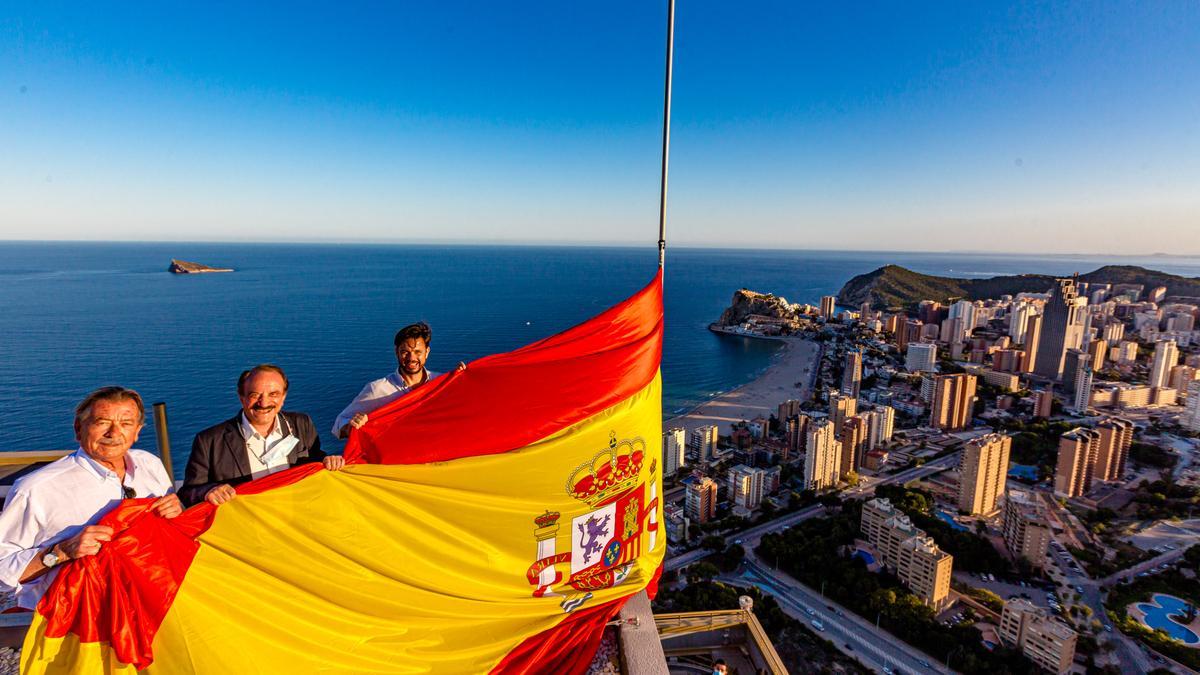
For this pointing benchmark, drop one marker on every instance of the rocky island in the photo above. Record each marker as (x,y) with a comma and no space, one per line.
(185,267)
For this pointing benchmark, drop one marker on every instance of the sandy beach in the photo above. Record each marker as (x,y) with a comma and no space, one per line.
(794,364)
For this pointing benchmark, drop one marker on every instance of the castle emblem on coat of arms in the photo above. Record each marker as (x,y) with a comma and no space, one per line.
(607,539)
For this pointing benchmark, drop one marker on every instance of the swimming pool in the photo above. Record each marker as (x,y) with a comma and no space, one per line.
(1028,472)
(951,521)
(1158,613)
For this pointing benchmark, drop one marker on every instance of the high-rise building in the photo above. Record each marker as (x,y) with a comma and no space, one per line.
(1157,294)
(921,357)
(929,311)
(908,551)
(746,486)
(951,331)
(880,423)
(1097,349)
(1061,329)
(797,432)
(1191,414)
(702,443)
(966,311)
(1043,402)
(1082,397)
(983,472)
(1033,339)
(700,498)
(828,306)
(1044,639)
(1026,532)
(910,331)
(852,373)
(953,402)
(854,438)
(788,408)
(1181,377)
(1076,457)
(1018,321)
(1127,353)
(1114,332)
(1113,440)
(674,448)
(1166,356)
(823,458)
(841,407)
(1073,364)
(1008,360)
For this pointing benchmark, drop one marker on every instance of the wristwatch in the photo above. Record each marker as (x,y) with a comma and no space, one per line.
(51,558)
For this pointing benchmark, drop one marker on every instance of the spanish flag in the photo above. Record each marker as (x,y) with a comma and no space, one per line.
(491,521)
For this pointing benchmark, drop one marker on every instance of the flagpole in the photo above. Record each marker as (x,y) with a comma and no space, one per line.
(666,149)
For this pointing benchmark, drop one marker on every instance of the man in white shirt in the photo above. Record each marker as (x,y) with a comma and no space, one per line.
(259,440)
(412,350)
(51,514)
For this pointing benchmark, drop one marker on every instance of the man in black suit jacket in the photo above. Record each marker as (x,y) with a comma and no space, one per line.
(258,441)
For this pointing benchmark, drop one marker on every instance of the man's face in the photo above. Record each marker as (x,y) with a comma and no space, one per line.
(262,397)
(411,355)
(109,430)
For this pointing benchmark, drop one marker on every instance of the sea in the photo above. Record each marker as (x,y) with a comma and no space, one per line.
(76,316)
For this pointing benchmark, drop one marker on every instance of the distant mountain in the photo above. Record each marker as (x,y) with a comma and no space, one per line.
(895,287)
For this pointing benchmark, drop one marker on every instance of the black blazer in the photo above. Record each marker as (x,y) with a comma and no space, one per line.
(219,455)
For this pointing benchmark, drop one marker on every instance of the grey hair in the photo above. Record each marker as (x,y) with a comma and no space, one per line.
(114,394)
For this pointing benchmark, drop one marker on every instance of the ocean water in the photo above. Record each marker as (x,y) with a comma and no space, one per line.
(75,316)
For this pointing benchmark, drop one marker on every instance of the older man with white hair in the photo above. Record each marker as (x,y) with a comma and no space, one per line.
(51,514)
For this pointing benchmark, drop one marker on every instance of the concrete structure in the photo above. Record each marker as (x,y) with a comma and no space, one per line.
(880,424)
(951,331)
(828,306)
(1074,362)
(823,458)
(1018,321)
(953,402)
(983,471)
(1006,381)
(1026,533)
(852,373)
(797,432)
(965,312)
(1166,357)
(1008,360)
(1098,350)
(1044,639)
(1082,395)
(1114,332)
(1060,330)
(906,550)
(920,357)
(1112,448)
(674,449)
(700,498)
(1127,353)
(854,440)
(746,486)
(841,407)
(1191,414)
(787,409)
(1076,459)
(1043,403)
(702,443)
(1033,336)
(910,331)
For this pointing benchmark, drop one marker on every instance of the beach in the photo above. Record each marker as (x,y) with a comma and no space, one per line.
(789,376)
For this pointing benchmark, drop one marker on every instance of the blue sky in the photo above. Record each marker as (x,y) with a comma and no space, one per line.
(1071,127)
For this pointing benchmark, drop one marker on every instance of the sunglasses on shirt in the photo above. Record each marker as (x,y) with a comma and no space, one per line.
(129,492)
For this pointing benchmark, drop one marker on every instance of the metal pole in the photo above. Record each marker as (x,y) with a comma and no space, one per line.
(163,436)
(666,149)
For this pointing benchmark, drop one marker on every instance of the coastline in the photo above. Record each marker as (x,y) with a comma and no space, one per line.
(796,363)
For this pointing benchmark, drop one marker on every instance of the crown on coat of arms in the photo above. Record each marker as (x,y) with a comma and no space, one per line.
(612,472)
(547,519)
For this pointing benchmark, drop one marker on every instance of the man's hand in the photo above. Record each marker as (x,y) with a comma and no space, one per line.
(462,365)
(86,542)
(358,420)
(167,507)
(334,462)
(220,494)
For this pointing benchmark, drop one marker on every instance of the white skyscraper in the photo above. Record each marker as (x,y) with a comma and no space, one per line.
(1018,321)
(1166,356)
(823,456)
(921,357)
(674,448)
(966,311)
(1083,390)
(1191,414)
(702,443)
(880,422)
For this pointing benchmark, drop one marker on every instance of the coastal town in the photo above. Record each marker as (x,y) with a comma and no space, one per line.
(970,484)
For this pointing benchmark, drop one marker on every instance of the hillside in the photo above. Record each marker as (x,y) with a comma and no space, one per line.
(895,287)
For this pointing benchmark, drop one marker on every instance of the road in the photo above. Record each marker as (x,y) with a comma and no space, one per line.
(850,633)
(1168,557)
(936,466)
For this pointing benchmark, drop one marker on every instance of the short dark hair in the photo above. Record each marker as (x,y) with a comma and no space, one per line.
(263,368)
(114,394)
(419,330)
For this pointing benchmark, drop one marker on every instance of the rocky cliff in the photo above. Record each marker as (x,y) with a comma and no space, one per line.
(746,302)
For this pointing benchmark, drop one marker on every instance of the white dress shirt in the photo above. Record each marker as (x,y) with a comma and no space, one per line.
(55,502)
(268,454)
(375,395)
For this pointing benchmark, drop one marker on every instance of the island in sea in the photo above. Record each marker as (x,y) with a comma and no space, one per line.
(185,267)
